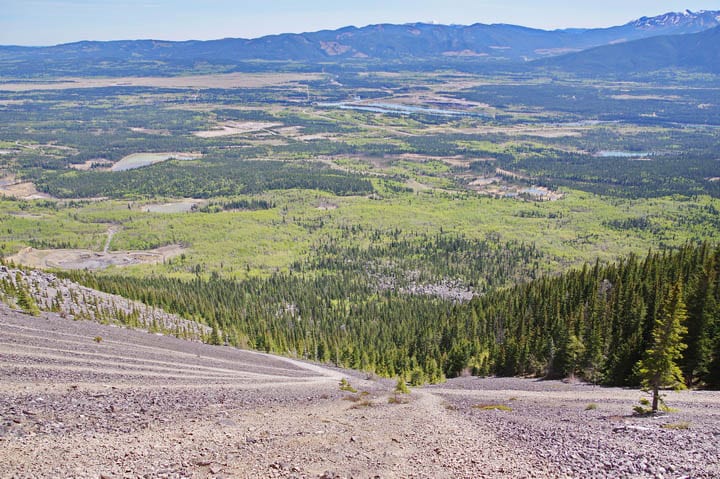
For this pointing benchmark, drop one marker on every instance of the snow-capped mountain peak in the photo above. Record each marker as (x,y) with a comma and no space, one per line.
(688,19)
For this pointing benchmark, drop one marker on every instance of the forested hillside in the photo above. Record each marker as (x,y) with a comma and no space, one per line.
(595,322)
(695,52)
(369,46)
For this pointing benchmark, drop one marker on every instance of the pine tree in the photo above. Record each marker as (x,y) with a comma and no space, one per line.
(24,298)
(215,336)
(701,307)
(659,368)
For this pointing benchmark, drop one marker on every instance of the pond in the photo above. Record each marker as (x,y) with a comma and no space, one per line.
(138,160)
(623,154)
(394,108)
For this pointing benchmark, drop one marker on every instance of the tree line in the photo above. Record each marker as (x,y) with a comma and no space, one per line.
(595,322)
(213,178)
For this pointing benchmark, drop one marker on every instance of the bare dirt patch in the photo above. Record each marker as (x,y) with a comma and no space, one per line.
(70,259)
(499,188)
(24,190)
(484,181)
(417,186)
(182,206)
(236,128)
(326,205)
(149,131)
(316,136)
(231,80)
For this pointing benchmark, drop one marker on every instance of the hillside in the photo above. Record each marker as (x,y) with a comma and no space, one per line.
(373,43)
(697,52)
(156,406)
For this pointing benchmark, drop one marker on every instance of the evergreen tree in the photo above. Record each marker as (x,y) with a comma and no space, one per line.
(701,309)
(659,369)
(25,300)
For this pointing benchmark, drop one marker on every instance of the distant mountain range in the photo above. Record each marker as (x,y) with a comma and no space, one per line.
(694,52)
(498,43)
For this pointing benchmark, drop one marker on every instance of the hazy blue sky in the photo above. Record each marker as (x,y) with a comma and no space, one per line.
(46,22)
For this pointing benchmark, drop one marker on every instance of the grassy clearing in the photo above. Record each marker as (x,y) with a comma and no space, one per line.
(247,243)
(396,151)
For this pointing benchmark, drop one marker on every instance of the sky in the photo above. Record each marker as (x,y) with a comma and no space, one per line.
(50,22)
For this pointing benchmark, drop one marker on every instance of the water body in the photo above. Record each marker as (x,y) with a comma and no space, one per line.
(587,123)
(701,126)
(138,160)
(623,154)
(394,108)
(535,191)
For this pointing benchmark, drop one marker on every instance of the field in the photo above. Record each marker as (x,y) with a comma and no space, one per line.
(488,167)
(568,231)
(231,80)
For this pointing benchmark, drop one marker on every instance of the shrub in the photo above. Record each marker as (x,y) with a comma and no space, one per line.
(488,407)
(643,408)
(401,387)
(345,386)
(677,425)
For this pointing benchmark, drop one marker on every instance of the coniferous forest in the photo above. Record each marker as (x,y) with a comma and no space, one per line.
(595,322)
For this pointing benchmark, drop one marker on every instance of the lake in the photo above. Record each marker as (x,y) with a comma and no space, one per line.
(138,160)
(623,154)
(395,108)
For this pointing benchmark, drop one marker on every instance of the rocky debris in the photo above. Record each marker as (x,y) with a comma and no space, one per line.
(74,301)
(446,289)
(451,289)
(551,420)
(138,405)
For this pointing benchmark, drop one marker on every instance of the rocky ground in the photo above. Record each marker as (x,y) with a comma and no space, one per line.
(74,301)
(85,400)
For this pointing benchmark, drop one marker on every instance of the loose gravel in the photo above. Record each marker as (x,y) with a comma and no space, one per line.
(86,400)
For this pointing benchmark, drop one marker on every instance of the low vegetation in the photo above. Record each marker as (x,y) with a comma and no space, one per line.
(345,386)
(492,407)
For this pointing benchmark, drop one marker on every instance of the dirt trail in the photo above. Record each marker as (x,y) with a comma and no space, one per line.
(110,233)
